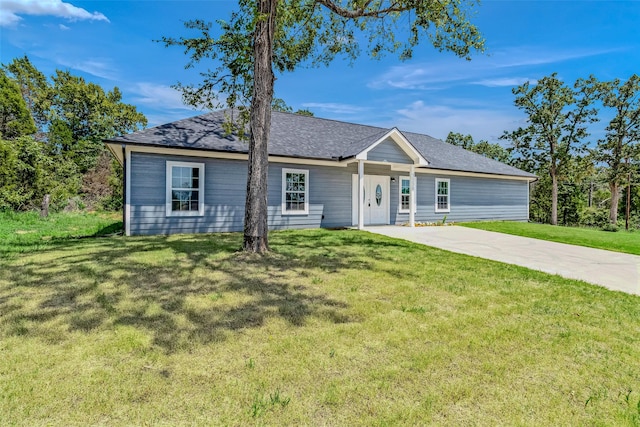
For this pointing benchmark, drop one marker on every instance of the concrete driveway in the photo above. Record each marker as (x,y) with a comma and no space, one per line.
(613,270)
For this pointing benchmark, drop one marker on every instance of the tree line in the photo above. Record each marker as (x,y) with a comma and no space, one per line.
(581,178)
(51,132)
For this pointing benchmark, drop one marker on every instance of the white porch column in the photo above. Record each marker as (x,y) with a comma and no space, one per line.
(412,196)
(528,200)
(360,194)
(127,191)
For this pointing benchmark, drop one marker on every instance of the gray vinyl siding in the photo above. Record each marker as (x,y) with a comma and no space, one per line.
(224,197)
(389,151)
(224,194)
(329,198)
(470,199)
(330,193)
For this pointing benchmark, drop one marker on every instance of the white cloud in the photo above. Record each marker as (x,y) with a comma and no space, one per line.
(439,120)
(99,67)
(334,108)
(419,76)
(96,67)
(505,81)
(12,9)
(158,96)
(63,27)
(495,70)
(528,56)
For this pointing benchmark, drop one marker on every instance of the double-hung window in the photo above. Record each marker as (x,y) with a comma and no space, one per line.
(295,191)
(185,189)
(443,189)
(405,194)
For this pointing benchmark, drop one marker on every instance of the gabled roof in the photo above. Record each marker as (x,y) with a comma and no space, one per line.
(297,136)
(398,138)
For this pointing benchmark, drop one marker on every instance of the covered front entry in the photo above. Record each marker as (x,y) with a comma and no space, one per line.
(375,200)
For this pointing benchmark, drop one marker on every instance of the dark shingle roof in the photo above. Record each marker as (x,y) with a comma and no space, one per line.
(294,135)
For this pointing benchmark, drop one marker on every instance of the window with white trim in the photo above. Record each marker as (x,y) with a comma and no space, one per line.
(443,189)
(405,194)
(185,189)
(295,191)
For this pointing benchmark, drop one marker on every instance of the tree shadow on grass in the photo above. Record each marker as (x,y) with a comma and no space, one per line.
(111,229)
(182,290)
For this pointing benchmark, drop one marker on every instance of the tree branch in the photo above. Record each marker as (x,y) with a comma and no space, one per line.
(362,11)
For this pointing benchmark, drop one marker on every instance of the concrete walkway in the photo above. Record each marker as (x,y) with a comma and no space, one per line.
(613,270)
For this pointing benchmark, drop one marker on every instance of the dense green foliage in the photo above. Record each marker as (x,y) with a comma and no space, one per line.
(15,119)
(51,134)
(330,328)
(34,88)
(28,171)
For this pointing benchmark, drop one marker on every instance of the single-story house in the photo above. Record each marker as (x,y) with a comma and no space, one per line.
(189,176)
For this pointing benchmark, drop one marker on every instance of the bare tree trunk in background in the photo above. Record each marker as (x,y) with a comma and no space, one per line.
(255,218)
(628,207)
(44,211)
(554,197)
(615,197)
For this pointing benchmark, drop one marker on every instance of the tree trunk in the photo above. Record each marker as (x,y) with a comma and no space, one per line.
(44,211)
(554,198)
(628,207)
(615,196)
(255,218)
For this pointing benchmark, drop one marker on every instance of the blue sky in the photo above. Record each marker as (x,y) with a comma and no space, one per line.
(112,43)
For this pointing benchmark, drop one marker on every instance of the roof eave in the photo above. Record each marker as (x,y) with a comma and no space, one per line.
(109,142)
(530,177)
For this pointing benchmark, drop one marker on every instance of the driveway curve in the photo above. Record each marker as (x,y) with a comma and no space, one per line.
(613,270)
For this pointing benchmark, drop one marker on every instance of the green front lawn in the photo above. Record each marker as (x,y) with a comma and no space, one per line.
(621,241)
(331,328)
(26,231)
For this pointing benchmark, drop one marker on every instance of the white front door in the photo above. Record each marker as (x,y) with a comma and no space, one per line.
(376,199)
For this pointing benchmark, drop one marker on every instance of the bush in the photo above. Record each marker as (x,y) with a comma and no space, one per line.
(96,187)
(28,171)
(113,202)
(23,175)
(610,227)
(594,217)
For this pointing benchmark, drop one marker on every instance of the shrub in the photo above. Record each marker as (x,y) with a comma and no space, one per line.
(610,227)
(594,217)
(28,172)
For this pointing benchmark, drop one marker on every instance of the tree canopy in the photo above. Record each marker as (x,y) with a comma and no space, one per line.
(558,116)
(82,114)
(620,148)
(51,137)
(34,88)
(15,119)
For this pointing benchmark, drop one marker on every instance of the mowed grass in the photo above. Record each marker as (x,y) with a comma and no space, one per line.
(24,232)
(331,328)
(621,241)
